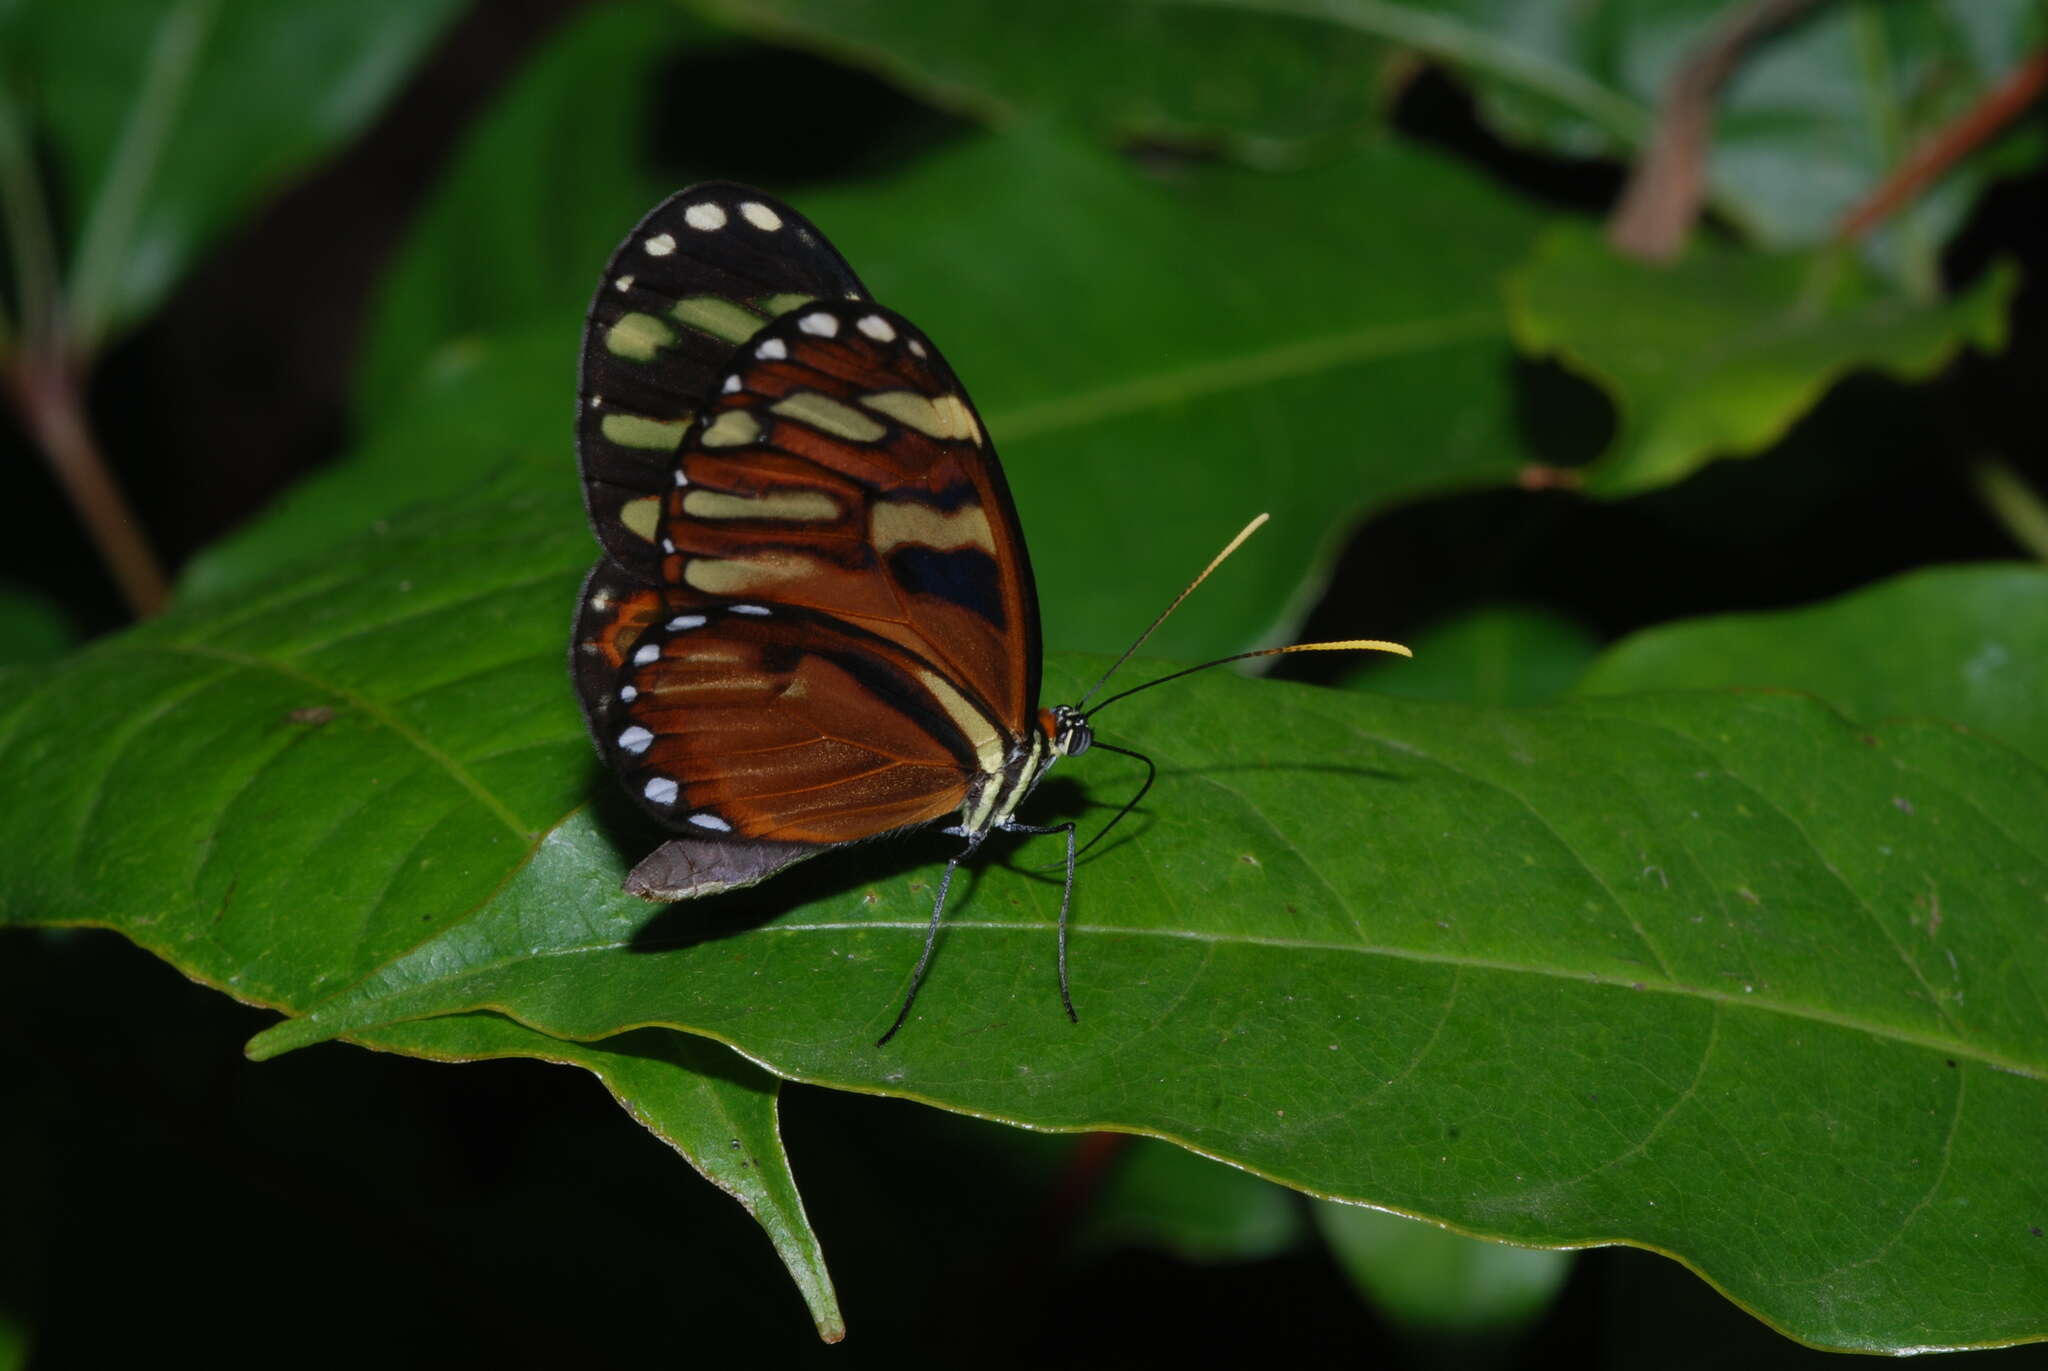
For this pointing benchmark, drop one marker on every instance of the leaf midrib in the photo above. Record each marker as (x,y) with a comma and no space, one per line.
(1161,389)
(1886,1032)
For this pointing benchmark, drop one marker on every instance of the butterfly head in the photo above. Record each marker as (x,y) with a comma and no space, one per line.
(1067,728)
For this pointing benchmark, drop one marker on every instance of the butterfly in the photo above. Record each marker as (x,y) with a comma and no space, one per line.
(814,621)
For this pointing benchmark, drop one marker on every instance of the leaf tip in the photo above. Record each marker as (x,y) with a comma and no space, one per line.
(281,1038)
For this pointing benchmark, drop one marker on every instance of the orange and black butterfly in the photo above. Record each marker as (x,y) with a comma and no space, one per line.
(814,621)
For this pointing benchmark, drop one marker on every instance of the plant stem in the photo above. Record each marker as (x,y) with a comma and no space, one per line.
(1667,184)
(47,392)
(1998,108)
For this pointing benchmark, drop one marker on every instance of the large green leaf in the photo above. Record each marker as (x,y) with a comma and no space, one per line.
(167,118)
(1152,369)
(1958,643)
(1637,970)
(1718,355)
(1627,970)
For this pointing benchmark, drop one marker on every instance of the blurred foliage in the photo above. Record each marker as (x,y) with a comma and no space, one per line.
(32,629)
(1720,354)
(1431,1281)
(163,120)
(1734,954)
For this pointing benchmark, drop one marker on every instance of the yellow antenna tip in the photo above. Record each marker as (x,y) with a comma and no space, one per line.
(1352,645)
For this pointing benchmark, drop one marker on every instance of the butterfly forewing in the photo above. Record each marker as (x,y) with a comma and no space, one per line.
(787,726)
(694,280)
(842,470)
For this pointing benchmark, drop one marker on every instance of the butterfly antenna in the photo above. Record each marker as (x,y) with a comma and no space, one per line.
(1344,645)
(1235,543)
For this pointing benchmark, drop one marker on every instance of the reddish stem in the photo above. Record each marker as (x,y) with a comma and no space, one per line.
(1932,158)
(48,393)
(1667,185)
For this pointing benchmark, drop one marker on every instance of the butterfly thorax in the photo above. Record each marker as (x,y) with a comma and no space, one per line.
(993,796)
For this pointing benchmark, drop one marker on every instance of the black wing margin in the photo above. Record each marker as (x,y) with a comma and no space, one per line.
(693,280)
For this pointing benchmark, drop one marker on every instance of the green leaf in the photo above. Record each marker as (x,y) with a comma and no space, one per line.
(1515,971)
(1122,70)
(1153,373)
(1511,970)
(1500,655)
(1963,644)
(1436,1282)
(1718,355)
(167,119)
(1534,1003)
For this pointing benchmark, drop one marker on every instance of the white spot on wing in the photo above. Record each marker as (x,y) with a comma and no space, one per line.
(760,216)
(732,385)
(819,325)
(681,479)
(646,655)
(771,351)
(762,610)
(660,245)
(877,328)
(661,790)
(705,217)
(712,822)
(636,740)
(683,621)
(628,694)
(917,347)
(623,283)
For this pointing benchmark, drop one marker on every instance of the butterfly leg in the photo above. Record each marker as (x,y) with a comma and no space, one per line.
(931,940)
(1066,899)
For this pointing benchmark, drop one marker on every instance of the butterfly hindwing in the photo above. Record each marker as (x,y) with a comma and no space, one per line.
(776,724)
(695,279)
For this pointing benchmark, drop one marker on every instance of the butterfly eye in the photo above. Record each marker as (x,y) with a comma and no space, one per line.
(1071,734)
